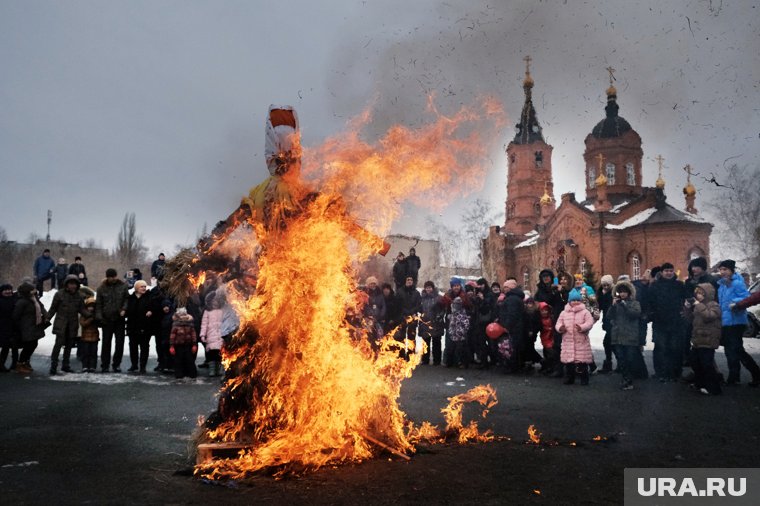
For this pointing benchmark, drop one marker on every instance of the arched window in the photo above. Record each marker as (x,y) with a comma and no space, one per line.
(582,266)
(539,159)
(537,208)
(635,266)
(630,174)
(512,158)
(511,210)
(610,174)
(591,177)
(526,277)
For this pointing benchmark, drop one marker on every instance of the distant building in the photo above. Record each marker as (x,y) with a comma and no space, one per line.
(622,227)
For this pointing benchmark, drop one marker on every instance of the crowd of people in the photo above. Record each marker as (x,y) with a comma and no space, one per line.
(119,308)
(484,325)
(473,323)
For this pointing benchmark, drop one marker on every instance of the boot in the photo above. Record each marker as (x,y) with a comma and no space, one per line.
(217,368)
(606,367)
(569,374)
(583,373)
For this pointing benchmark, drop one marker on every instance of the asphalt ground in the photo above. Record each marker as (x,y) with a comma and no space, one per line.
(124,439)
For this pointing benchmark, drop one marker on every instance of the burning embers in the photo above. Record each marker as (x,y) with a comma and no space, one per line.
(305,386)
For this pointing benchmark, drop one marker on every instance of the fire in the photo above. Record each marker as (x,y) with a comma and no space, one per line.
(307,387)
(535,436)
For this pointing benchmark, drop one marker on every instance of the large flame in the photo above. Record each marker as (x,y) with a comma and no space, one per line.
(308,386)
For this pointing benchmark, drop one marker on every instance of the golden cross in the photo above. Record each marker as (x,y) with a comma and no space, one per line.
(688,170)
(660,159)
(527,63)
(600,157)
(612,72)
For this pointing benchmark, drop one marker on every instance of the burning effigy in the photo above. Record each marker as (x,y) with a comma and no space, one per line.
(305,386)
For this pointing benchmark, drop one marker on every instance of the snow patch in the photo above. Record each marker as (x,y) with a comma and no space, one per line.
(529,242)
(634,220)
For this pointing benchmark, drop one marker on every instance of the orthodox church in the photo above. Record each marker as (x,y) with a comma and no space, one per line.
(620,227)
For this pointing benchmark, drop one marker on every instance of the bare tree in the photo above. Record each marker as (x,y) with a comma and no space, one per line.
(130,247)
(736,208)
(460,247)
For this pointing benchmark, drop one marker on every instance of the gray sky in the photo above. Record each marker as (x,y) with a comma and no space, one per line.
(158,108)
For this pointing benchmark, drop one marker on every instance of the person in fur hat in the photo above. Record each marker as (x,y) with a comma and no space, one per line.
(705,318)
(623,318)
(29,318)
(574,323)
(604,299)
(90,336)
(183,344)
(66,307)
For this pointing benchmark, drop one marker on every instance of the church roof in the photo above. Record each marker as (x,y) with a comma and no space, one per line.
(528,129)
(651,215)
(613,125)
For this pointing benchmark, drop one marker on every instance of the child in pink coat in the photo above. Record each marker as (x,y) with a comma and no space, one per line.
(211,332)
(574,323)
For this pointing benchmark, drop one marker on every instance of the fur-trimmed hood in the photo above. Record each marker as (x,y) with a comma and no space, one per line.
(628,285)
(709,291)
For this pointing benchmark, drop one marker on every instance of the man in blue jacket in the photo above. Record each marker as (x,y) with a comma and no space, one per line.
(44,269)
(731,289)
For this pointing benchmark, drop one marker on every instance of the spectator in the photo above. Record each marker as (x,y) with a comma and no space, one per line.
(410,303)
(211,332)
(459,326)
(29,317)
(510,310)
(110,309)
(157,267)
(44,269)
(666,303)
(605,302)
(484,312)
(547,289)
(8,338)
(551,359)
(61,271)
(400,271)
(733,290)
(163,310)
(66,307)
(392,309)
(183,341)
(413,265)
(90,337)
(78,270)
(139,326)
(623,318)
(705,316)
(574,323)
(697,275)
(532,329)
(431,323)
(454,292)
(374,310)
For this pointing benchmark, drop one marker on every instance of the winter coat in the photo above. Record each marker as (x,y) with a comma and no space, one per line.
(7,328)
(706,320)
(375,306)
(547,326)
(410,301)
(400,272)
(666,297)
(183,332)
(624,318)
(138,323)
(90,333)
(77,269)
(43,266)
(413,265)
(110,301)
(730,292)
(510,312)
(642,295)
(157,268)
(66,308)
(459,325)
(576,347)
(748,302)
(25,318)
(549,294)
(691,283)
(605,302)
(432,314)
(532,327)
(392,312)
(211,329)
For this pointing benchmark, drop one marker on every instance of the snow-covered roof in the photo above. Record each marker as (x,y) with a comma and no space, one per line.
(636,219)
(532,240)
(615,210)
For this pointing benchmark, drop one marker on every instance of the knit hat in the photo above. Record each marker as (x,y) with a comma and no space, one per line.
(370,280)
(728,264)
(111,273)
(574,295)
(455,281)
(698,262)
(510,284)
(607,279)
(25,289)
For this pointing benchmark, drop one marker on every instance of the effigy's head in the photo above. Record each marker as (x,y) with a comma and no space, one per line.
(282,146)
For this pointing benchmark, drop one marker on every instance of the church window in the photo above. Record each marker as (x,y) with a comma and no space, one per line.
(512,158)
(526,277)
(591,177)
(582,267)
(537,208)
(635,266)
(511,210)
(539,159)
(630,174)
(610,174)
